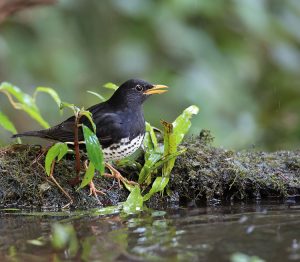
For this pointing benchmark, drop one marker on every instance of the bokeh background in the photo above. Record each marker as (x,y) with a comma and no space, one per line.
(238,60)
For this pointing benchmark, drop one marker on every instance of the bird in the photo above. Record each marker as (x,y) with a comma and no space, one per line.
(120,124)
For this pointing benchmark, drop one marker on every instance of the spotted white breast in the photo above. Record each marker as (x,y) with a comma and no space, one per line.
(123,148)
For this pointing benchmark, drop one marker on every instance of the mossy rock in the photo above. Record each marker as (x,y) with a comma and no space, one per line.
(202,173)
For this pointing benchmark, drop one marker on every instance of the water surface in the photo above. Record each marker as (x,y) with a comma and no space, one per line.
(270,231)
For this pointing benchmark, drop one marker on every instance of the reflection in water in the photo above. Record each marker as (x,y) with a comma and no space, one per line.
(270,232)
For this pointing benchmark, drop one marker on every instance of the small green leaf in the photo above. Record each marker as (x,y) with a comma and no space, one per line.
(22,97)
(7,124)
(25,102)
(88,115)
(170,146)
(111,85)
(151,132)
(146,170)
(134,202)
(88,176)
(49,91)
(182,123)
(97,95)
(94,149)
(74,108)
(158,185)
(58,151)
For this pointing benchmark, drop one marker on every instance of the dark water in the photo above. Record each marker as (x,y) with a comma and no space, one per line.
(269,231)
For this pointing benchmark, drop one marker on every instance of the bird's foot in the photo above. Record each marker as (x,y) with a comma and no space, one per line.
(117,175)
(94,191)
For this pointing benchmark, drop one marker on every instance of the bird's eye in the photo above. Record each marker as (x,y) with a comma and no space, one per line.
(139,88)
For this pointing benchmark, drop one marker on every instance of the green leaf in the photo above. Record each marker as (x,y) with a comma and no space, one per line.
(174,133)
(15,91)
(88,114)
(111,85)
(155,161)
(88,176)
(74,108)
(170,147)
(182,123)
(58,151)
(25,102)
(93,148)
(146,170)
(97,95)
(165,159)
(158,185)
(134,202)
(49,91)
(7,124)
(151,132)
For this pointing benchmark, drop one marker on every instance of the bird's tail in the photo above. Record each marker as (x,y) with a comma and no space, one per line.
(39,133)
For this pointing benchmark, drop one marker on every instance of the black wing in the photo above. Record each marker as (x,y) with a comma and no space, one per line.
(109,127)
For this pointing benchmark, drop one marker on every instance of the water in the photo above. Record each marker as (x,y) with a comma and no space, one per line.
(269,231)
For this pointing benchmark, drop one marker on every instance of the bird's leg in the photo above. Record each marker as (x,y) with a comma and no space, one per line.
(39,156)
(59,186)
(93,190)
(117,175)
(76,145)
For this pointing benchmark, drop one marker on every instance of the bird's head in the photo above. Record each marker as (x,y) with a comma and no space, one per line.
(136,91)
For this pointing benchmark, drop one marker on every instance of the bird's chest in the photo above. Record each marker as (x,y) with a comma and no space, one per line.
(125,147)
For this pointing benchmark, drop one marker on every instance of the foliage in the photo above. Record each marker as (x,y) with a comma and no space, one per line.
(57,151)
(157,155)
(26,102)
(239,59)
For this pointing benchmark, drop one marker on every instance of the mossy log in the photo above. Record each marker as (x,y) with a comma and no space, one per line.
(202,173)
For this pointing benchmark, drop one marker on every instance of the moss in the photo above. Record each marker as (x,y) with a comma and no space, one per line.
(24,182)
(206,172)
(202,173)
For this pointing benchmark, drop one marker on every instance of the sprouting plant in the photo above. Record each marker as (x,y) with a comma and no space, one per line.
(93,148)
(157,155)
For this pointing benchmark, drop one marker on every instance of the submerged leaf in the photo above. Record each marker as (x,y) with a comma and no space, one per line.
(93,149)
(64,236)
(134,202)
(58,151)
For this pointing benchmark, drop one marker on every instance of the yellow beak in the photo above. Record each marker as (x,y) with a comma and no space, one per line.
(156,89)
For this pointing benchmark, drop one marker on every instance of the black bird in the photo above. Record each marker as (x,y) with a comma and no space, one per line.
(120,123)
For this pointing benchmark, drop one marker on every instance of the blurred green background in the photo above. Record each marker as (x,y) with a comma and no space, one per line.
(238,60)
